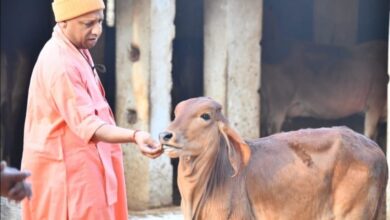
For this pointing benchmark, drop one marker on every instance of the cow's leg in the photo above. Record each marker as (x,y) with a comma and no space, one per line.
(272,123)
(376,107)
(371,123)
(376,102)
(277,123)
(357,195)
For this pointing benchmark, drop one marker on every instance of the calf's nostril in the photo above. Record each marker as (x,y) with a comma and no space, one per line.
(166,136)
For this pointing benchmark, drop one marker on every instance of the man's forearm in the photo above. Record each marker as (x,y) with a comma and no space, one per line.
(113,134)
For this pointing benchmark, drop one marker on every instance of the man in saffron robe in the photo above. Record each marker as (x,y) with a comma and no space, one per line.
(71,143)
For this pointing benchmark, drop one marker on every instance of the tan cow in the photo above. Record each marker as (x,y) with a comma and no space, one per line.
(326,82)
(326,173)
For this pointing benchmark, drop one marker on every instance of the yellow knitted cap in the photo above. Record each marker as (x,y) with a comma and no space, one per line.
(68,9)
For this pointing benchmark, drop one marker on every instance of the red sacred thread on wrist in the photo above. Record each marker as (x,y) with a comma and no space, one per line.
(135,132)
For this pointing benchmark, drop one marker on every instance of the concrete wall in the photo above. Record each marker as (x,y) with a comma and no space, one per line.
(232,60)
(162,34)
(215,50)
(144,35)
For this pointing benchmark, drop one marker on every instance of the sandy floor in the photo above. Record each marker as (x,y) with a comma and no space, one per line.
(11,211)
(168,213)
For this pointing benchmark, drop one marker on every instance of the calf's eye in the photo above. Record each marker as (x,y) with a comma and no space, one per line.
(205,116)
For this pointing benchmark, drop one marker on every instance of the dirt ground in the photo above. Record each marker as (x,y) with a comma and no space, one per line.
(167,213)
(11,211)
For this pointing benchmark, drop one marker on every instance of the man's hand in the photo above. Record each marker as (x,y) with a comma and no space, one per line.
(13,185)
(147,145)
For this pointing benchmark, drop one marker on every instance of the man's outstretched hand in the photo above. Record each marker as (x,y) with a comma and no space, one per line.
(13,185)
(147,145)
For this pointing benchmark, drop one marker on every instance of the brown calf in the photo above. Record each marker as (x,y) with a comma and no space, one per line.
(326,173)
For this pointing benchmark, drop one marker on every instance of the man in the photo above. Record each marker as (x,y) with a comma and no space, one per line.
(71,142)
(12,182)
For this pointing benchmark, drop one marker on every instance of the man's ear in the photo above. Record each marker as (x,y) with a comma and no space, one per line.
(63,24)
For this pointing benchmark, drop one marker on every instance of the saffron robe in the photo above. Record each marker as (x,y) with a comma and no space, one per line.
(72,176)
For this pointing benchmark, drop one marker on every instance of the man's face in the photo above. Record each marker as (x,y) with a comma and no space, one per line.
(85,30)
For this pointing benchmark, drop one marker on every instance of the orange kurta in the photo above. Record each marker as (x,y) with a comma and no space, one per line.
(72,177)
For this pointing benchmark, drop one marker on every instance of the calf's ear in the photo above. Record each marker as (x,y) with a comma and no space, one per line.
(239,152)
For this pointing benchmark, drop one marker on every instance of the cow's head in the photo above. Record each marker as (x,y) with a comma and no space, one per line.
(197,131)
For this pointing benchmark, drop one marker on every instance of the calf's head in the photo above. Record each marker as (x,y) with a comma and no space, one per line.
(198,130)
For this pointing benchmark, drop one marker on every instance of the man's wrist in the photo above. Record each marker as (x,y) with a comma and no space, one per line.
(135,134)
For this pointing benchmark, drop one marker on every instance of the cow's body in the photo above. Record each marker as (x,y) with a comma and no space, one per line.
(327,173)
(326,83)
